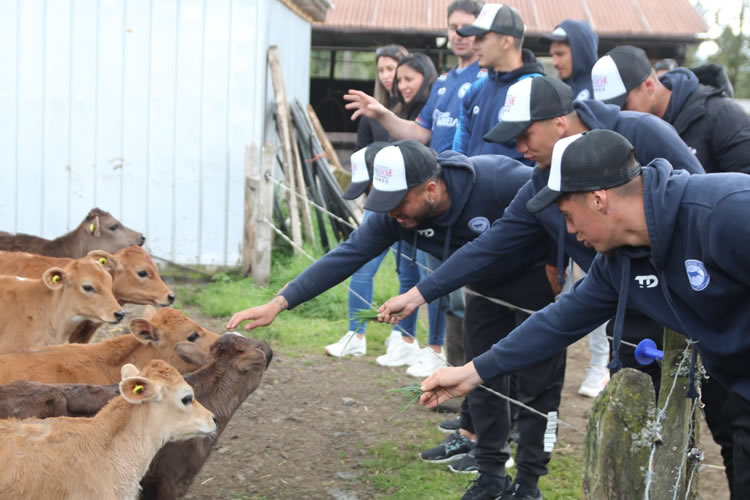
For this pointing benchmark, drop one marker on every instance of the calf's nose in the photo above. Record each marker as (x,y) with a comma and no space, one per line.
(143,240)
(119,315)
(170,298)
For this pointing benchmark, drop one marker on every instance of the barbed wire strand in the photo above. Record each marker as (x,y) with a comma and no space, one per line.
(503,396)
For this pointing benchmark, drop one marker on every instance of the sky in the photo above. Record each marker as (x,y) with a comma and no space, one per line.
(728,14)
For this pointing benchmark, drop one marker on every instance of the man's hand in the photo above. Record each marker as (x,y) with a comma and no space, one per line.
(554,283)
(364,105)
(448,383)
(400,306)
(261,315)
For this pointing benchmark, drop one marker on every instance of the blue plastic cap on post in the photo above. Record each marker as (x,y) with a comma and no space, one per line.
(646,352)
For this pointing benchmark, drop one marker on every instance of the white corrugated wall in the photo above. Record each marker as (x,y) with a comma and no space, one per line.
(142,108)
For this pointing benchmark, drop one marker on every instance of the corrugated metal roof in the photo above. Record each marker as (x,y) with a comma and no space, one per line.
(646,18)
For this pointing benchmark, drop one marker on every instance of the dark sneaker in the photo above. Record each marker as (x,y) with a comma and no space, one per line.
(451,448)
(450,426)
(518,492)
(465,465)
(488,487)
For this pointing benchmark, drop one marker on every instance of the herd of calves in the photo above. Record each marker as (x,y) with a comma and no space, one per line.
(113,419)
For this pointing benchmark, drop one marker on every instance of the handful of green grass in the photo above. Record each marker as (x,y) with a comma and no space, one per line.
(411,394)
(363,315)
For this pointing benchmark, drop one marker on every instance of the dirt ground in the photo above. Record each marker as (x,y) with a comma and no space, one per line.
(307,429)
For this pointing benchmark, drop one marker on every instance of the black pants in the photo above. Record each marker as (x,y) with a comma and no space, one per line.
(737,411)
(715,398)
(540,386)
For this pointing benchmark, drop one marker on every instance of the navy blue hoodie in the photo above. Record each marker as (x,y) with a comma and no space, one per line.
(480,188)
(584,44)
(709,121)
(651,137)
(481,106)
(694,279)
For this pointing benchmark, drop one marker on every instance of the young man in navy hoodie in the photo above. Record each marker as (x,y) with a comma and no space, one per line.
(439,205)
(687,231)
(705,116)
(573,46)
(498,40)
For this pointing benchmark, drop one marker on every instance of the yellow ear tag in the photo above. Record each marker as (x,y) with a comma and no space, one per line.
(91,227)
(138,389)
(55,278)
(102,260)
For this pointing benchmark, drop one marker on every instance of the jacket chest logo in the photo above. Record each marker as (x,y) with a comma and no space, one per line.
(426,233)
(697,274)
(463,89)
(479,224)
(647,281)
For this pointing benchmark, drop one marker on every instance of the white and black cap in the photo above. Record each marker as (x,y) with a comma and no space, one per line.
(618,72)
(558,35)
(496,17)
(396,169)
(528,101)
(362,163)
(597,159)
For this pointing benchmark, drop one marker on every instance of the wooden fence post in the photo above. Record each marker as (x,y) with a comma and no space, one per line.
(258,209)
(679,429)
(618,444)
(283,124)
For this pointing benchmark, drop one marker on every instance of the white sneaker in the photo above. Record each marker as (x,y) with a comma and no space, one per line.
(427,362)
(399,353)
(349,344)
(595,381)
(395,334)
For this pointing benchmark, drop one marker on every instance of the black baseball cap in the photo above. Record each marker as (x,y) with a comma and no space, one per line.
(495,17)
(361,162)
(558,35)
(527,101)
(597,159)
(618,72)
(397,168)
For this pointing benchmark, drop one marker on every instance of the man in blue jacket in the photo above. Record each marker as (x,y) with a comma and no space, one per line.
(498,39)
(686,233)
(573,46)
(548,114)
(705,116)
(440,205)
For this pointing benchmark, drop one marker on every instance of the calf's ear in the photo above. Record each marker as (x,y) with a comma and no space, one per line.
(143,330)
(190,353)
(54,278)
(106,259)
(136,390)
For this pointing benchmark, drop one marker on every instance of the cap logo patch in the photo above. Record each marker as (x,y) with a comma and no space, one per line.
(359,167)
(697,274)
(389,172)
(479,224)
(487,15)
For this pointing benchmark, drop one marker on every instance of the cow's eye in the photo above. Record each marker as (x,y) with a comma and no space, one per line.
(143,274)
(193,337)
(114,227)
(88,288)
(187,400)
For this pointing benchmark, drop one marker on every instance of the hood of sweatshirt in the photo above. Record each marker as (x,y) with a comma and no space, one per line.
(530,66)
(596,114)
(584,44)
(682,82)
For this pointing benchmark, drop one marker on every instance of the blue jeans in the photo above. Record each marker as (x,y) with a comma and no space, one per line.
(361,283)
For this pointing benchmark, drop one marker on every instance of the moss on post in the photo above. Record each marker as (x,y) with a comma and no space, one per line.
(618,438)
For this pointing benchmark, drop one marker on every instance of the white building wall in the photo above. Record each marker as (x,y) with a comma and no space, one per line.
(142,108)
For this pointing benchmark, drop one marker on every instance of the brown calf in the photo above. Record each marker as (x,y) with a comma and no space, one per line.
(98,231)
(167,334)
(35,312)
(102,457)
(135,278)
(233,371)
